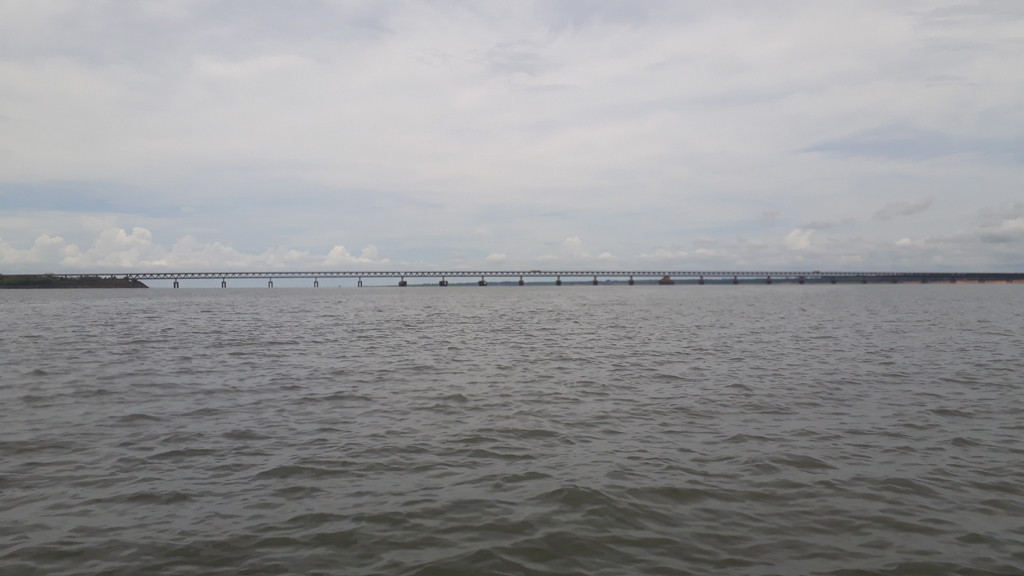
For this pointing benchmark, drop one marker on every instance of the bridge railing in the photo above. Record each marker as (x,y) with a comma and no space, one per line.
(681,274)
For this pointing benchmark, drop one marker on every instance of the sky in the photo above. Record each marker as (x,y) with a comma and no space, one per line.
(259,135)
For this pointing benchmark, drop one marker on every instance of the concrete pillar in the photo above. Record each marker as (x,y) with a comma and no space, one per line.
(224,283)
(521,283)
(595,280)
(359,284)
(402,283)
(631,282)
(800,280)
(270,283)
(482,281)
(735,280)
(768,280)
(316,282)
(558,281)
(700,280)
(175,282)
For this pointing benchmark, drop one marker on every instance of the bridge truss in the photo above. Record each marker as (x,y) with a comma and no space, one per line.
(522,274)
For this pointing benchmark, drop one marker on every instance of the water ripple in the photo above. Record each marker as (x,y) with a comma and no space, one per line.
(847,431)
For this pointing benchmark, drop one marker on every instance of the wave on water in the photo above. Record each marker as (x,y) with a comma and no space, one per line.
(573,430)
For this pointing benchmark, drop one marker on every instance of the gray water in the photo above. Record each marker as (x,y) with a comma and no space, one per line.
(844,430)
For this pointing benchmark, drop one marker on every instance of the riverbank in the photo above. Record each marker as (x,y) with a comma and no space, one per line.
(29,281)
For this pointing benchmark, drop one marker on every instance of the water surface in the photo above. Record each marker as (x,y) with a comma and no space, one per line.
(818,429)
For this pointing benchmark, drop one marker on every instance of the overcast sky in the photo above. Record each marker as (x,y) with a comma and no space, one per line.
(269,135)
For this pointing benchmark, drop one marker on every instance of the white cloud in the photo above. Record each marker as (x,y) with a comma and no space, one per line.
(495,258)
(245,135)
(370,254)
(340,256)
(114,249)
(46,250)
(573,247)
(189,253)
(799,239)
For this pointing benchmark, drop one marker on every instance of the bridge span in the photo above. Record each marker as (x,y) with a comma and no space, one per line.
(556,276)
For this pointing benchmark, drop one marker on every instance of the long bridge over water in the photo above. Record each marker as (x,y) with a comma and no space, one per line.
(556,276)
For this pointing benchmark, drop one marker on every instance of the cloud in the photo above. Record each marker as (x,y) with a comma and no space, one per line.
(370,253)
(994,217)
(569,133)
(519,57)
(824,224)
(664,254)
(188,253)
(896,143)
(1003,226)
(340,256)
(799,239)
(118,250)
(495,258)
(47,250)
(115,248)
(573,247)
(896,209)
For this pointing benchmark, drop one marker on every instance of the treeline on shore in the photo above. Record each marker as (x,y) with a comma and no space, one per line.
(54,281)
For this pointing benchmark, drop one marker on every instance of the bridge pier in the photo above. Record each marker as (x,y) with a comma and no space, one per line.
(402,283)
(224,283)
(482,282)
(175,282)
(863,280)
(768,280)
(700,280)
(735,280)
(443,282)
(558,281)
(359,284)
(270,283)
(800,280)
(631,282)
(316,282)
(595,280)
(833,279)
(521,283)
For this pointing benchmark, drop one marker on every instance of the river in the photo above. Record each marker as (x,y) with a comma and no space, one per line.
(575,430)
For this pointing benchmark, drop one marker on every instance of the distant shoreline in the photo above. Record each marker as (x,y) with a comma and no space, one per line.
(45,281)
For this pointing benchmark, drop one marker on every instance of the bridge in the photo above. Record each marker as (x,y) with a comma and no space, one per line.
(662,276)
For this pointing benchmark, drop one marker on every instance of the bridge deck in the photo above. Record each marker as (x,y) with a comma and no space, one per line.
(711,274)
